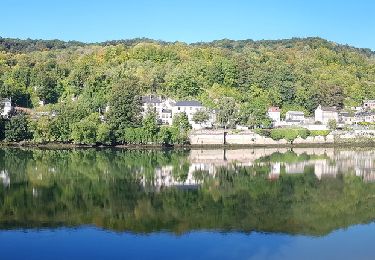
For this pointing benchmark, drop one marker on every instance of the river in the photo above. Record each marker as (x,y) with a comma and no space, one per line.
(264,203)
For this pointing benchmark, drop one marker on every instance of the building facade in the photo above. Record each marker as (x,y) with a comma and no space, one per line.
(369,104)
(274,114)
(6,107)
(324,114)
(161,106)
(295,116)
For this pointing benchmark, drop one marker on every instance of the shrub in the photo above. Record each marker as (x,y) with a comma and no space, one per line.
(289,133)
(17,129)
(104,134)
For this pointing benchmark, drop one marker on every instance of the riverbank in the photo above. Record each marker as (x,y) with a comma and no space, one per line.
(358,142)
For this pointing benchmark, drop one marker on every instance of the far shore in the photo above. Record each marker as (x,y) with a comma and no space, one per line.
(55,145)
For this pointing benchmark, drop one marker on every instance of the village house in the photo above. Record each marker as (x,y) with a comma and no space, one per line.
(369,104)
(294,118)
(274,114)
(364,116)
(161,106)
(6,107)
(325,114)
(190,107)
(345,118)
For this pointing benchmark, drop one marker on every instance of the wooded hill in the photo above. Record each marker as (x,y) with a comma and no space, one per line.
(295,74)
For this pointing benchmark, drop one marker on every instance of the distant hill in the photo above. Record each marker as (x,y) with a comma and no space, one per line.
(298,73)
(28,45)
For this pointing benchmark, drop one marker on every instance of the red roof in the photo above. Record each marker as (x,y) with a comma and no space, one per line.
(274,109)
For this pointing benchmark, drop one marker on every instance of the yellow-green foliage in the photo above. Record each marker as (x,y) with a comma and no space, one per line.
(289,133)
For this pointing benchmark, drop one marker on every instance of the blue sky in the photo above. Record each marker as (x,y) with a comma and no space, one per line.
(344,21)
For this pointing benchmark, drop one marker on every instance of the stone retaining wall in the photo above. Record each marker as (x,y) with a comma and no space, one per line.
(220,137)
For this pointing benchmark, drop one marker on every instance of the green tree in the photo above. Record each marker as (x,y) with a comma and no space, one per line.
(227,112)
(104,134)
(181,122)
(17,129)
(150,126)
(124,106)
(201,116)
(85,131)
(332,124)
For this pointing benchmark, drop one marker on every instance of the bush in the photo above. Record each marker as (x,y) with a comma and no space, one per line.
(289,133)
(84,132)
(104,134)
(17,129)
(164,136)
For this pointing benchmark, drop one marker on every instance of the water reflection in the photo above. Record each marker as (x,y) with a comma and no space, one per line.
(297,191)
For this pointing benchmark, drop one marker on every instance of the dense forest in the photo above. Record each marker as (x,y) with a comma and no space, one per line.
(77,80)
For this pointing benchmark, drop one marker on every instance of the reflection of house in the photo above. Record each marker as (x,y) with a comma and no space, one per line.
(4,177)
(295,168)
(167,176)
(323,167)
(324,114)
(275,171)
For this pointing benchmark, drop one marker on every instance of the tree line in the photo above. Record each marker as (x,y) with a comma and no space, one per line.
(239,79)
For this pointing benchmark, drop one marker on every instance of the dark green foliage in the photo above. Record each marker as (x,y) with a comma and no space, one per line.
(124,102)
(17,129)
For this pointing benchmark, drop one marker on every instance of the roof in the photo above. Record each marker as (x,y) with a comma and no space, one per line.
(4,100)
(296,112)
(364,114)
(344,113)
(151,99)
(166,110)
(273,109)
(293,121)
(188,103)
(329,109)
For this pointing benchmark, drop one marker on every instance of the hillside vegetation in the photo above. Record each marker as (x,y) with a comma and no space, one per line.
(293,74)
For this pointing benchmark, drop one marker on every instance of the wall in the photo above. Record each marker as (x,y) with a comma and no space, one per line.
(216,137)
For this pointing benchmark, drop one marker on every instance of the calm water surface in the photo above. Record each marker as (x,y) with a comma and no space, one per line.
(187,204)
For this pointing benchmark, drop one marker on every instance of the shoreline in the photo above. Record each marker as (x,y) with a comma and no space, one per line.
(52,145)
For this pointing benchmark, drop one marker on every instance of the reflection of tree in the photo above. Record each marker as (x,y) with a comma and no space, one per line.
(76,187)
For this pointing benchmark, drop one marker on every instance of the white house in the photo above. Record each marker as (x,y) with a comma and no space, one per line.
(297,116)
(369,104)
(345,118)
(324,114)
(6,107)
(274,114)
(365,116)
(161,106)
(166,116)
(190,107)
